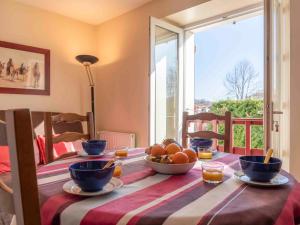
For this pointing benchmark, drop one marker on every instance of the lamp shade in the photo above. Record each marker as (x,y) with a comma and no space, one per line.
(87,58)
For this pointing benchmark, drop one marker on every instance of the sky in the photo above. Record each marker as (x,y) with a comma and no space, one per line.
(219,48)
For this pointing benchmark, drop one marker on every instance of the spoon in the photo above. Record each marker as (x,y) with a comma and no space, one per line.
(268,156)
(108,164)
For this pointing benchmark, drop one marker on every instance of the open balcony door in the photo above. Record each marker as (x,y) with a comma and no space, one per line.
(277,77)
(166,80)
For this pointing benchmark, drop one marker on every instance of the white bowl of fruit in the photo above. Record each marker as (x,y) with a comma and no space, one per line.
(170,158)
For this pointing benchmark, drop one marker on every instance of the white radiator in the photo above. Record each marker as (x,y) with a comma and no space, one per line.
(117,140)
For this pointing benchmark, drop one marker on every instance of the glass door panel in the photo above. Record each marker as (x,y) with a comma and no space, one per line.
(165,84)
(166,93)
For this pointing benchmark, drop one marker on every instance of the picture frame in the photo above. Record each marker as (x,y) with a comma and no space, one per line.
(24,69)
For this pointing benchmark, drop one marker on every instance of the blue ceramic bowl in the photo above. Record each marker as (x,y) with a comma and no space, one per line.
(90,176)
(201,143)
(256,170)
(94,147)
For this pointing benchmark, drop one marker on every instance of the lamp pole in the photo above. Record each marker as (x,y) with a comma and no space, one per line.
(92,85)
(93,101)
(87,61)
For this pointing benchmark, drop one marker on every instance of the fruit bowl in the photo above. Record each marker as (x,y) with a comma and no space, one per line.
(166,168)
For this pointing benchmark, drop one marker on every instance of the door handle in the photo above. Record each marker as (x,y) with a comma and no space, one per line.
(276,123)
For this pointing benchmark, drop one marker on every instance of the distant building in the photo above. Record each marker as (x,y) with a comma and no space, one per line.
(202,105)
(257,95)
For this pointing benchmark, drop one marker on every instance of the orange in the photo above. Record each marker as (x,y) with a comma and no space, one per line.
(168,141)
(157,150)
(191,154)
(148,150)
(172,149)
(180,158)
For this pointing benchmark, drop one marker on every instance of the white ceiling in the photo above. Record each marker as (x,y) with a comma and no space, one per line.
(89,11)
(208,10)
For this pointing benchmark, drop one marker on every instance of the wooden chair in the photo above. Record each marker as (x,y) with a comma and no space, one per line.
(227,137)
(3,138)
(51,120)
(24,181)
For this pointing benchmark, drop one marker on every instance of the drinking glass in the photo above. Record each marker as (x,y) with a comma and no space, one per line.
(121,152)
(118,169)
(212,172)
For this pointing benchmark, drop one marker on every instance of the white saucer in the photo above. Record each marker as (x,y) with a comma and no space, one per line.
(84,154)
(72,188)
(276,181)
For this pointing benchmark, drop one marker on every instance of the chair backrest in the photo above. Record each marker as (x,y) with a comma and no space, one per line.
(226,137)
(3,138)
(51,120)
(24,181)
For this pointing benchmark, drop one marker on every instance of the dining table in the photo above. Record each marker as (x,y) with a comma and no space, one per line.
(150,198)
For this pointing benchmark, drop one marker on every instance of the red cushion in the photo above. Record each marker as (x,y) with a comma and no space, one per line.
(4,159)
(58,149)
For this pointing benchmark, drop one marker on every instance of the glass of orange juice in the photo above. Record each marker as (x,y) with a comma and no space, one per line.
(118,169)
(213,172)
(121,152)
(205,155)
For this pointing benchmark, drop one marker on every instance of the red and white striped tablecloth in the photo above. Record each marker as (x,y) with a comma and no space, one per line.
(149,198)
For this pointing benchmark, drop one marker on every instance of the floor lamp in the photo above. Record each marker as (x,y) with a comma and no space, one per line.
(87,61)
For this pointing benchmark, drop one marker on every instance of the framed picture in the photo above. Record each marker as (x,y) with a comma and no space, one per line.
(24,69)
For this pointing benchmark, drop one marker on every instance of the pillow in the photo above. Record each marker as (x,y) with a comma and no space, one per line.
(59,149)
(5,160)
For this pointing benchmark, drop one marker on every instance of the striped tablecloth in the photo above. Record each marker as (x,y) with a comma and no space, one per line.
(148,198)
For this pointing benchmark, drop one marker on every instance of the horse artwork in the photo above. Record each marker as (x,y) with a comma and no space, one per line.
(9,67)
(11,72)
(24,69)
(16,73)
(2,67)
(36,75)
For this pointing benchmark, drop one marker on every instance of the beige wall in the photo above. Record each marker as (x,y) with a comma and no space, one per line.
(122,45)
(122,78)
(66,38)
(295,90)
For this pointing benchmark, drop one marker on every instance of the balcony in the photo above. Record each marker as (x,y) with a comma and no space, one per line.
(247,125)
